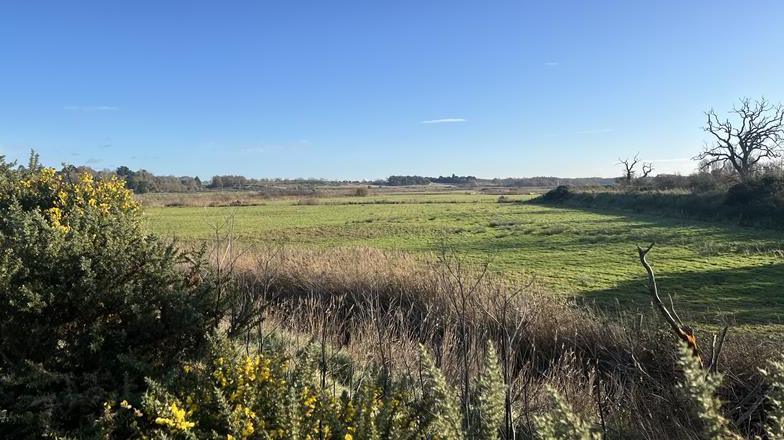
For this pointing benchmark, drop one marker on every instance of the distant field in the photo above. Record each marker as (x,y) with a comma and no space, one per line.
(715,272)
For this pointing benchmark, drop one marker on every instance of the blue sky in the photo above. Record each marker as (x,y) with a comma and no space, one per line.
(365,89)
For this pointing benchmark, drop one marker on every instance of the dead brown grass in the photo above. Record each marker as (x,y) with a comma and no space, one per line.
(377,307)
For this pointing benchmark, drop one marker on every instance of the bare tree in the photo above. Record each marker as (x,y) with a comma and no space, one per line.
(760,135)
(647,169)
(629,165)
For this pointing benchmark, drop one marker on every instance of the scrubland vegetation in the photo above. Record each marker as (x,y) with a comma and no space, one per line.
(110,331)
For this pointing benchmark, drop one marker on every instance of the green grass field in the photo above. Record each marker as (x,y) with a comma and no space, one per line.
(715,272)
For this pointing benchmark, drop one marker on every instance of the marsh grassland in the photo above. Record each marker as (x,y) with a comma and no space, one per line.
(716,273)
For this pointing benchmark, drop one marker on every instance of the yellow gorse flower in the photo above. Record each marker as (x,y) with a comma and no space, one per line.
(105,197)
(177,421)
(56,219)
(248,430)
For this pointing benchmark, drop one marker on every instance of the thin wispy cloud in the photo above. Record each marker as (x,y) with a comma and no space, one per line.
(444,121)
(91,108)
(552,64)
(596,131)
(93,161)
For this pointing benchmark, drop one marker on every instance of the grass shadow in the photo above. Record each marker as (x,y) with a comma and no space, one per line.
(742,296)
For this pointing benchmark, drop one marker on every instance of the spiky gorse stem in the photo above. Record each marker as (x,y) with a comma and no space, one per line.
(367,412)
(563,423)
(440,417)
(489,394)
(699,387)
(775,372)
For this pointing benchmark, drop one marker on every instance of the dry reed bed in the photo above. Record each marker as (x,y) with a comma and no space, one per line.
(377,307)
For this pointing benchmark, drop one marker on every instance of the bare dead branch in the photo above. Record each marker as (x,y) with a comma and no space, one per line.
(684,332)
(716,349)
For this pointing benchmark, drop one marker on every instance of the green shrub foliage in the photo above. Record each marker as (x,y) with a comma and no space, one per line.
(89,303)
(489,405)
(775,374)
(699,387)
(562,423)
(233,395)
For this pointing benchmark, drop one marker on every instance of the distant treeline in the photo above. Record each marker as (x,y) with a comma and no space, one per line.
(544,181)
(142,181)
(507,182)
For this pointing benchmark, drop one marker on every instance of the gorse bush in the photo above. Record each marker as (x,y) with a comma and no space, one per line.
(273,396)
(89,303)
(488,408)
(699,387)
(775,373)
(562,423)
(439,406)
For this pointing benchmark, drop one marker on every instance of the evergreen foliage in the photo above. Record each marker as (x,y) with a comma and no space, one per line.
(90,304)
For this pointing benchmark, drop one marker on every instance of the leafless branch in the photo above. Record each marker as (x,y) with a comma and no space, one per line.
(716,347)
(683,331)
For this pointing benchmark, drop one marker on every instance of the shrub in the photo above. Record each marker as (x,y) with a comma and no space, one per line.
(775,372)
(233,395)
(766,192)
(361,192)
(439,408)
(699,387)
(562,423)
(557,195)
(490,393)
(759,200)
(89,303)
